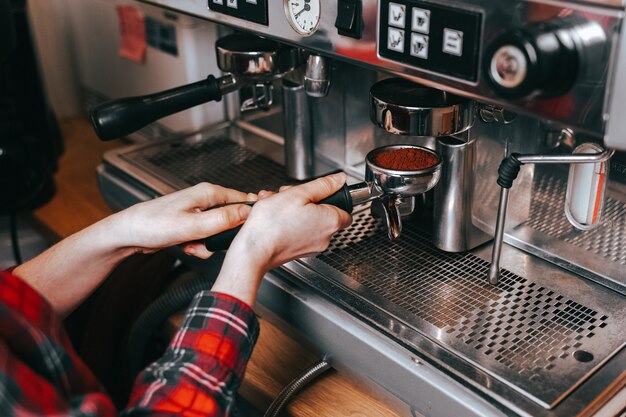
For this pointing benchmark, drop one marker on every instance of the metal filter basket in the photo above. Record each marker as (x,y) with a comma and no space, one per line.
(398,182)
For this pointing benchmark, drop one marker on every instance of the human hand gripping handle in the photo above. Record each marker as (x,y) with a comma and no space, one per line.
(267,241)
(69,271)
(221,241)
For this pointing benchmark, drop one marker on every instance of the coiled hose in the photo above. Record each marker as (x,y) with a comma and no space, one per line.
(295,387)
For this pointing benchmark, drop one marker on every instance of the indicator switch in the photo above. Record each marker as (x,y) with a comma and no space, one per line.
(349,20)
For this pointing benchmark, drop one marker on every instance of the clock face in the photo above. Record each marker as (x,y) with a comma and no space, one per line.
(303,15)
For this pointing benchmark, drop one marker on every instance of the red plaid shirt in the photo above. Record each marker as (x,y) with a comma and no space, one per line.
(199,374)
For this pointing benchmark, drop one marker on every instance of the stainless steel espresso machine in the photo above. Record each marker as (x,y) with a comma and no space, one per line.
(405,300)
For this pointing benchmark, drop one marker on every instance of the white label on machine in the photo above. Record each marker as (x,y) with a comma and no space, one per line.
(586,187)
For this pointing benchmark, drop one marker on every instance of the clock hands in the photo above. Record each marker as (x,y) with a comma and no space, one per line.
(306,8)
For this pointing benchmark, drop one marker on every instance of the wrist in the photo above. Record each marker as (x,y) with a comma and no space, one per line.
(240,275)
(109,238)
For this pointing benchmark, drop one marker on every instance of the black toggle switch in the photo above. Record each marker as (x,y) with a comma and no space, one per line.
(349,20)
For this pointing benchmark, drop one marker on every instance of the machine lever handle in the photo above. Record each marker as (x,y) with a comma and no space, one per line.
(221,241)
(123,116)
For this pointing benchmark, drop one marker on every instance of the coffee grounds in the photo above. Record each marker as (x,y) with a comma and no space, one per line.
(405,159)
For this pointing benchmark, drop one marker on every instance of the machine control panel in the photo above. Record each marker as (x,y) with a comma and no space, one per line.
(250,10)
(433,37)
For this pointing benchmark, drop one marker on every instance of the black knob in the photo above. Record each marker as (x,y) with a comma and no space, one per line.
(543,58)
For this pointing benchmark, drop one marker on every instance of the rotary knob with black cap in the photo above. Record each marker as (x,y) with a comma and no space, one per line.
(543,58)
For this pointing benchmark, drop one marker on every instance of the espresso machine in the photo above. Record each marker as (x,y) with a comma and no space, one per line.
(423,306)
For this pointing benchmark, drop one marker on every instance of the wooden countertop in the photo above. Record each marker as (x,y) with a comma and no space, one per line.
(277,358)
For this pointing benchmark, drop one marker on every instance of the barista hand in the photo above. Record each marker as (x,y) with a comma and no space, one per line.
(69,271)
(183,218)
(281,227)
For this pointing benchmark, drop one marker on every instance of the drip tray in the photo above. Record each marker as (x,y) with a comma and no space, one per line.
(536,339)
(541,335)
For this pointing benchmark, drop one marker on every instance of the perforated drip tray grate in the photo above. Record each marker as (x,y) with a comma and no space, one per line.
(529,336)
(217,160)
(540,336)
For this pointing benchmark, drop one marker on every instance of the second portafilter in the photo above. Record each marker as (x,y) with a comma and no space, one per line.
(247,60)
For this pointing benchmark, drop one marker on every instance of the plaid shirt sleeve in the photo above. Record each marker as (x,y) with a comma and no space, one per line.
(202,369)
(40,374)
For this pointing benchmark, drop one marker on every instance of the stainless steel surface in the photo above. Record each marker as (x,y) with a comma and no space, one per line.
(593,104)
(402,107)
(567,159)
(598,254)
(523,332)
(298,132)
(391,216)
(490,114)
(453,226)
(181,162)
(398,182)
(317,77)
(229,83)
(255,58)
(603,156)
(363,192)
(494,269)
(262,98)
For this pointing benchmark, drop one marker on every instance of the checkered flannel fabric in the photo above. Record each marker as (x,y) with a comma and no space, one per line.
(40,374)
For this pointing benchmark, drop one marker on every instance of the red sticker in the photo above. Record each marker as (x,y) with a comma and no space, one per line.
(133,33)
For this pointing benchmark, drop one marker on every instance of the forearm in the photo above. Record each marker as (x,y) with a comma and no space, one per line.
(69,271)
(202,368)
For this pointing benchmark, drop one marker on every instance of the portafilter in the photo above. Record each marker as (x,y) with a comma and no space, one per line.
(247,59)
(383,184)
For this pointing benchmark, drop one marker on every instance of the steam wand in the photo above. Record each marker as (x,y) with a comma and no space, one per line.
(507,173)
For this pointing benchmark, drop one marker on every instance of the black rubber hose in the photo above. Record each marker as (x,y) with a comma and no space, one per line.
(152,318)
(508,171)
(15,241)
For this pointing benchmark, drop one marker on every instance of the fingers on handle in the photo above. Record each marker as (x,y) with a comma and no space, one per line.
(320,188)
(206,195)
(263,194)
(217,220)
(196,249)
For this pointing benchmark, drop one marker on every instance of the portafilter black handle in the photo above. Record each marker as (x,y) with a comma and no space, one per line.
(123,116)
(221,241)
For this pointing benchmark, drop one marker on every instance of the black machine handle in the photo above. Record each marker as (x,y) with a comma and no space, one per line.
(221,241)
(121,117)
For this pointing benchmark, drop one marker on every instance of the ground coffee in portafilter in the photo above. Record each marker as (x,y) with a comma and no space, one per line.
(405,159)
